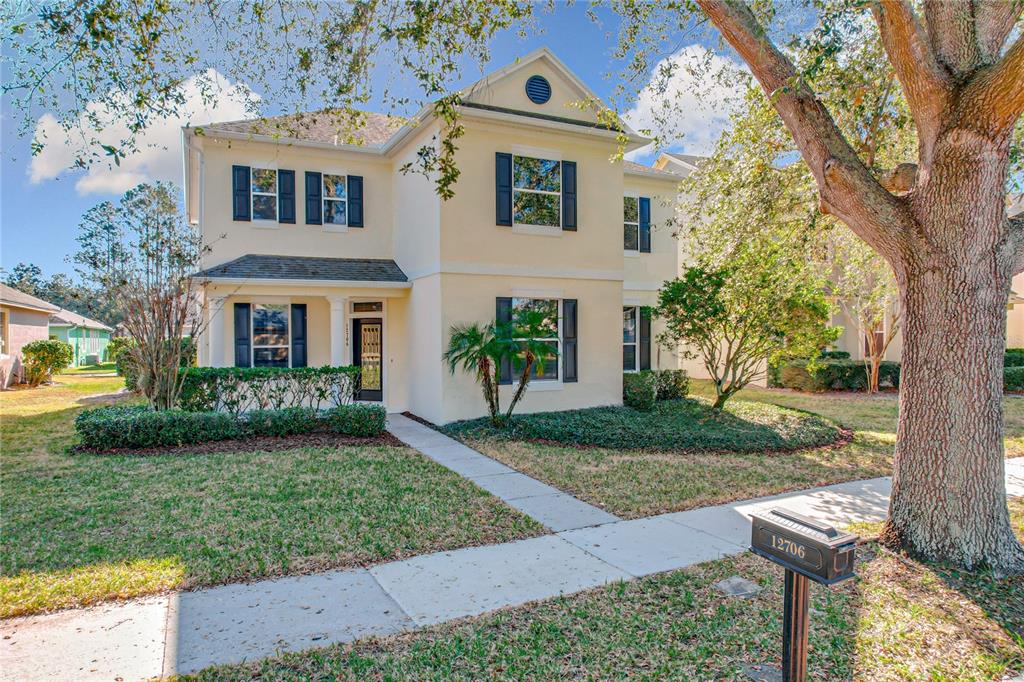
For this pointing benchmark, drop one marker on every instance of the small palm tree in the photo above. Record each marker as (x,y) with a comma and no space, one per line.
(481,350)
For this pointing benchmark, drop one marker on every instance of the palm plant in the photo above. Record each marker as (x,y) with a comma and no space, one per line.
(481,350)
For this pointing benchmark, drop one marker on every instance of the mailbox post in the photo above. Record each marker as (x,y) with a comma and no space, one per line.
(808,550)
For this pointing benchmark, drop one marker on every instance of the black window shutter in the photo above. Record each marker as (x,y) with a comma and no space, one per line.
(503,188)
(298,334)
(569,196)
(243,335)
(286,196)
(569,326)
(314,199)
(503,313)
(645,338)
(645,225)
(240,200)
(355,200)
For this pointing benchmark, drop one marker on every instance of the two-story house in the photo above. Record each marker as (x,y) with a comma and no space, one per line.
(323,252)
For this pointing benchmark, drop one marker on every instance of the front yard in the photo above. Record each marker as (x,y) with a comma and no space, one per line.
(608,456)
(899,620)
(78,529)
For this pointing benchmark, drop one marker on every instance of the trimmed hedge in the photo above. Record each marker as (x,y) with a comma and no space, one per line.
(1013,379)
(239,390)
(137,426)
(836,375)
(673,384)
(834,355)
(640,390)
(1014,357)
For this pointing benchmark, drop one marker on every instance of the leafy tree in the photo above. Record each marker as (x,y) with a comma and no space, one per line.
(143,254)
(865,289)
(945,71)
(481,351)
(744,314)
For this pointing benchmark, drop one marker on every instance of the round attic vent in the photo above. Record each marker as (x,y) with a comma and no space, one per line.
(538,89)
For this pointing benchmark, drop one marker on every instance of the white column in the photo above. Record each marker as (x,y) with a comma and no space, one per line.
(216,331)
(338,305)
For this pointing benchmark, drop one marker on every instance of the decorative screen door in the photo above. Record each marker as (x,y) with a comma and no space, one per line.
(368,343)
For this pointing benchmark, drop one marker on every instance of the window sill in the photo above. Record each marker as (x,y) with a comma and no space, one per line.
(265,224)
(340,229)
(538,230)
(631,254)
(544,385)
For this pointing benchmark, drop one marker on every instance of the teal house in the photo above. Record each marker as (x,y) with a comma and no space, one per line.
(88,338)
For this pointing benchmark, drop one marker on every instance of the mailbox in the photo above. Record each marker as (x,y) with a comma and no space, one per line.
(808,550)
(801,544)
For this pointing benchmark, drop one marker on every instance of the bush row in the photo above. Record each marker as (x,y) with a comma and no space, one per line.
(238,390)
(835,375)
(1014,357)
(137,426)
(1013,379)
(641,390)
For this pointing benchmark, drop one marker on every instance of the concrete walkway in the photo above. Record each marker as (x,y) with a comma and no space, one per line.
(187,631)
(550,506)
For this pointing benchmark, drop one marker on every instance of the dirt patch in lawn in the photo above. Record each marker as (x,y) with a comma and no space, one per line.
(260,444)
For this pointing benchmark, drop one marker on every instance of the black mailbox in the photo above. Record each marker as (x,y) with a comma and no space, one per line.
(810,548)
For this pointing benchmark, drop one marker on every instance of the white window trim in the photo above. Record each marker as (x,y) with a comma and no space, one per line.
(252,331)
(636,356)
(262,222)
(536,383)
(636,251)
(529,228)
(333,227)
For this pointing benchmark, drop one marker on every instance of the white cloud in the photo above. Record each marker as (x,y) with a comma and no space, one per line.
(206,97)
(687,102)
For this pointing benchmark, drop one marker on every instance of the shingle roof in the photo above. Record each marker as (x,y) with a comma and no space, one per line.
(633,167)
(254,266)
(328,126)
(64,316)
(12,296)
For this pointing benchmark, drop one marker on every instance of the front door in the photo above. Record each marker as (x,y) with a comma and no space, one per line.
(368,355)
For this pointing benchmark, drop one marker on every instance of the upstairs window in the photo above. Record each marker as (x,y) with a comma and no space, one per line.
(550,335)
(270,335)
(335,200)
(536,191)
(631,223)
(264,194)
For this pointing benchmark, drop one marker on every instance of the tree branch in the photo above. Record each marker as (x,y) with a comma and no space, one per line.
(847,188)
(994,19)
(925,82)
(951,28)
(994,99)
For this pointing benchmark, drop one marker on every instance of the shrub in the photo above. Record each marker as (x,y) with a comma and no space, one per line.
(834,355)
(836,375)
(44,357)
(117,346)
(363,421)
(1014,357)
(640,390)
(1013,379)
(237,390)
(138,426)
(286,422)
(673,384)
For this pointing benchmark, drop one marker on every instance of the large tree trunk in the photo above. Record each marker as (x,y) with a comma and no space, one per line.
(948,499)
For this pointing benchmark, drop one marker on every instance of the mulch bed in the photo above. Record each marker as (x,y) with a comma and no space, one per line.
(260,444)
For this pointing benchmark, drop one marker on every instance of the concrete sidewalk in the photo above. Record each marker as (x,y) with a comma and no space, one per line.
(187,631)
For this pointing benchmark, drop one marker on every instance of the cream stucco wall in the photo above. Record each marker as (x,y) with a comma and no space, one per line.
(508,92)
(416,211)
(229,239)
(425,341)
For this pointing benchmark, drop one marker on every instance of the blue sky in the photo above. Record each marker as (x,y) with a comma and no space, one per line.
(38,219)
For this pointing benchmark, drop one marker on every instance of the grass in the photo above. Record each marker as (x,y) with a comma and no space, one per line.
(633,482)
(79,529)
(91,369)
(899,620)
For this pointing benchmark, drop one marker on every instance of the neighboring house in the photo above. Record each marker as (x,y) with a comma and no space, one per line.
(88,338)
(23,319)
(331,254)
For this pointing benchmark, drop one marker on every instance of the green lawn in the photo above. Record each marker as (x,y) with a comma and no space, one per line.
(899,620)
(92,369)
(78,529)
(632,481)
